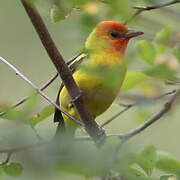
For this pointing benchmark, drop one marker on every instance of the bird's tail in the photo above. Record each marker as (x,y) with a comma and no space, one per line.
(61,129)
(65,126)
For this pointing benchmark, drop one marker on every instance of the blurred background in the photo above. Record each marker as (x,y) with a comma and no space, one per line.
(19,44)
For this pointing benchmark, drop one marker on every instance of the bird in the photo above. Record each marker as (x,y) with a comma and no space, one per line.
(99,72)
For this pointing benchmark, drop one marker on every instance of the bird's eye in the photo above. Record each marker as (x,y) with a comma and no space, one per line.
(114,34)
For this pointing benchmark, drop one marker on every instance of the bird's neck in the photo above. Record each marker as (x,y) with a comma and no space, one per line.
(107,58)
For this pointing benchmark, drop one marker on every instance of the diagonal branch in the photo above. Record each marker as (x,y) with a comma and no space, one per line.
(165,109)
(124,137)
(21,101)
(39,91)
(127,107)
(157,6)
(140,9)
(117,114)
(154,118)
(48,83)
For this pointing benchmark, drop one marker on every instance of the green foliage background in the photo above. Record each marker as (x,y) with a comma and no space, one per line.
(20,45)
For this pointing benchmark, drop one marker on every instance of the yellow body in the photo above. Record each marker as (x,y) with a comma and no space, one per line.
(98,94)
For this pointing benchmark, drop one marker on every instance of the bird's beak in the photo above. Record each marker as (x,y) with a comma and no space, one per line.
(133,33)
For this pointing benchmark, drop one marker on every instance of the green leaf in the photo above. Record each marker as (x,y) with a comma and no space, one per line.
(164,35)
(133,79)
(60,10)
(32,1)
(15,114)
(162,39)
(162,71)
(167,163)
(147,159)
(31,102)
(160,48)
(146,51)
(79,3)
(88,22)
(120,8)
(135,174)
(57,13)
(132,173)
(176,52)
(12,114)
(45,113)
(14,169)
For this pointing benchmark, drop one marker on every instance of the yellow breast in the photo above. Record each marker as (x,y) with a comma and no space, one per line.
(99,83)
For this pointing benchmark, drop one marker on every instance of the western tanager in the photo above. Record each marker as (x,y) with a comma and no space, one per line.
(99,72)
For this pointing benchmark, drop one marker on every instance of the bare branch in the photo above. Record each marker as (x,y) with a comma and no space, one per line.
(116,115)
(165,94)
(124,137)
(48,83)
(39,91)
(140,9)
(127,107)
(154,118)
(157,6)
(76,96)
(21,101)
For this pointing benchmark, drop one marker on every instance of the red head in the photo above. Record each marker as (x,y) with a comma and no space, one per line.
(110,36)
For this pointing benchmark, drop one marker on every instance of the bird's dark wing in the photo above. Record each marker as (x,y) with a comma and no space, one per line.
(57,114)
(73,63)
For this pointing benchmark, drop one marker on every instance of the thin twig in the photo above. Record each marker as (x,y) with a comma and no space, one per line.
(22,100)
(92,128)
(139,98)
(165,94)
(127,107)
(39,91)
(140,9)
(153,119)
(126,136)
(157,6)
(48,83)
(9,154)
(117,114)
